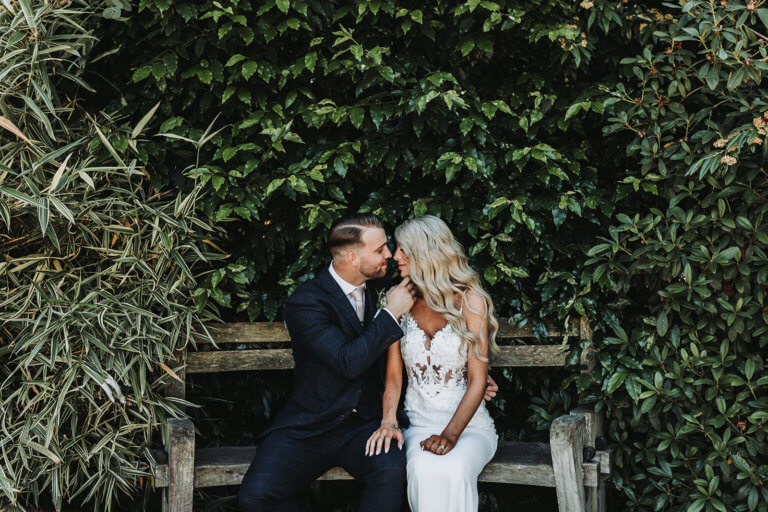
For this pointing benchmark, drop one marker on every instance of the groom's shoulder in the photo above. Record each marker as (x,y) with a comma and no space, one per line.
(308,291)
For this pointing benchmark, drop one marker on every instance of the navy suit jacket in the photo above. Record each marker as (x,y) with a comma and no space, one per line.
(340,362)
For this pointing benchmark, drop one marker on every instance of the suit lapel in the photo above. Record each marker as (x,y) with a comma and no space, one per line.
(347,311)
(370,303)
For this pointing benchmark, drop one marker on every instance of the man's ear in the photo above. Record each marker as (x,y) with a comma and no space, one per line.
(353,259)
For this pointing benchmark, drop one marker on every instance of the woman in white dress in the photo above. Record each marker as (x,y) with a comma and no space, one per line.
(448,335)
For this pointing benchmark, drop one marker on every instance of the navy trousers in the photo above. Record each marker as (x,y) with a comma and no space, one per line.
(285,465)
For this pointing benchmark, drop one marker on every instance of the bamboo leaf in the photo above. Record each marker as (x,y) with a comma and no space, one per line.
(8,125)
(144,120)
(59,173)
(20,196)
(171,372)
(108,145)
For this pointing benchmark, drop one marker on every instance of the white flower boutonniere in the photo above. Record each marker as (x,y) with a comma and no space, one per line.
(381,301)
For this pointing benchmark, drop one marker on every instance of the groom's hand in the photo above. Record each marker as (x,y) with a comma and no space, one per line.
(400,298)
(490,388)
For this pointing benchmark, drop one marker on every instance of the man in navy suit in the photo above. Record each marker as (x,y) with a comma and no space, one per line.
(339,343)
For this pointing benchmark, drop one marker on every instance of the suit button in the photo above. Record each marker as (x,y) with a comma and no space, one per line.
(341,416)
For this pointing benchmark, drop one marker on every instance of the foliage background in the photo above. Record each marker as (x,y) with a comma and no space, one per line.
(600,158)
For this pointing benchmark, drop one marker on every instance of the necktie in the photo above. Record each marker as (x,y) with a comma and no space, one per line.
(357,294)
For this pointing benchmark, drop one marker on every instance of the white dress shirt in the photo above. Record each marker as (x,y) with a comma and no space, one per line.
(348,288)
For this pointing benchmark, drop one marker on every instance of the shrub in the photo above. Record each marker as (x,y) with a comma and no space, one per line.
(96,275)
(685,378)
(478,112)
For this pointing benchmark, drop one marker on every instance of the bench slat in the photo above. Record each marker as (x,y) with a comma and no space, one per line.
(514,462)
(263,332)
(282,359)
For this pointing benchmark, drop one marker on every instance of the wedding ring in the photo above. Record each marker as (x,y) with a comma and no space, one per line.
(442,447)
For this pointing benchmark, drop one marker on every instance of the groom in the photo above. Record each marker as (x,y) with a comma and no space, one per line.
(339,344)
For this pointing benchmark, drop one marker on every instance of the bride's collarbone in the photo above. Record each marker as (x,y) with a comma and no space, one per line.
(428,320)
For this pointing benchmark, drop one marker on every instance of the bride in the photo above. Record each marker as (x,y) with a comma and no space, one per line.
(447,338)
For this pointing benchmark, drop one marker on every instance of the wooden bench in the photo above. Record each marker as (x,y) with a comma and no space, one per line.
(580,484)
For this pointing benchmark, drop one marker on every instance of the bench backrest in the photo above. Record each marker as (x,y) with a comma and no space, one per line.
(213,361)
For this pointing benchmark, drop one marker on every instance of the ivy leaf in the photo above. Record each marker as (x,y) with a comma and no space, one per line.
(298,184)
(248,69)
(244,95)
(273,185)
(387,73)
(228,92)
(309,61)
(466,125)
(205,76)
(235,59)
(158,70)
(141,73)
(491,275)
(283,5)
(489,109)
(357,115)
(467,47)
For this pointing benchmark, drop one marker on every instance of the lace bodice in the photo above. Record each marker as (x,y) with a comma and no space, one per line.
(437,376)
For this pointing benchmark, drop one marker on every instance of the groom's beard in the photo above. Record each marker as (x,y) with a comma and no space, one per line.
(373,272)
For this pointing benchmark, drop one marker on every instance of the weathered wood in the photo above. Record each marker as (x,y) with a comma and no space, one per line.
(565,439)
(595,491)
(605,461)
(590,425)
(590,472)
(515,463)
(263,332)
(175,387)
(521,464)
(531,355)
(180,445)
(248,332)
(215,361)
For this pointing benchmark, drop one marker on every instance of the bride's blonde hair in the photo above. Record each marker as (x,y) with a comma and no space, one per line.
(439,269)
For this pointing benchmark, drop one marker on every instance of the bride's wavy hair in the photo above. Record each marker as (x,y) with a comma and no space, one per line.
(439,269)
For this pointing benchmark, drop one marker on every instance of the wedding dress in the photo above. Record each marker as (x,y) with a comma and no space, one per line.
(437,381)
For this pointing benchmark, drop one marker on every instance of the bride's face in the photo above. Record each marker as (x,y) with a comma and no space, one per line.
(403,263)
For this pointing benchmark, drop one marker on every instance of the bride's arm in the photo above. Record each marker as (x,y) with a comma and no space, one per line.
(393,385)
(477,371)
(389,401)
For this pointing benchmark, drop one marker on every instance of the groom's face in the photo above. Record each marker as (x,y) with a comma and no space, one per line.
(373,253)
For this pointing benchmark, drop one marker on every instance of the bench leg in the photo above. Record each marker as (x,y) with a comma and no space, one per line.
(180,445)
(595,496)
(566,440)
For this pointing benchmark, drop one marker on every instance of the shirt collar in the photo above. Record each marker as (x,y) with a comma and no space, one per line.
(346,287)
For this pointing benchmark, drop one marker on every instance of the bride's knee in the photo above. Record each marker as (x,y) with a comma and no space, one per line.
(430,467)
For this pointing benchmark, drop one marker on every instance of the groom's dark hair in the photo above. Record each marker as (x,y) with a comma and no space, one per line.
(349,230)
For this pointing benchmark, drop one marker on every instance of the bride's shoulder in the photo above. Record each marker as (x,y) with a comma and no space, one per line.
(472,304)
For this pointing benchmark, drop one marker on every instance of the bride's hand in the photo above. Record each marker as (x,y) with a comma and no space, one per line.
(438,444)
(383,436)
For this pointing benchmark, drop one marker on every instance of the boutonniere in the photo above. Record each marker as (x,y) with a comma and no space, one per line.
(381,301)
